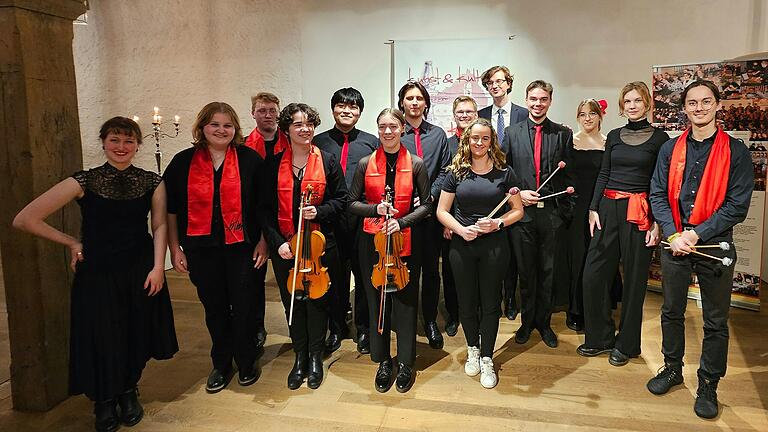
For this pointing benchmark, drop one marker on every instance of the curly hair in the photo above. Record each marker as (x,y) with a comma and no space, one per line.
(285,118)
(461,164)
(204,117)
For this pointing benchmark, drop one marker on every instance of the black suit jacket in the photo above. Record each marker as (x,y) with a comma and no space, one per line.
(516,114)
(557,142)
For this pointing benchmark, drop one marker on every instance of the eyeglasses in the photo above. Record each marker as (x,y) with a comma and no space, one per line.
(464,113)
(590,114)
(498,83)
(705,104)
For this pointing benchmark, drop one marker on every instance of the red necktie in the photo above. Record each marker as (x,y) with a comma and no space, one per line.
(417,138)
(344,153)
(537,153)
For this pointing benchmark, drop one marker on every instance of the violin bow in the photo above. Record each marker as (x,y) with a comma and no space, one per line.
(296,256)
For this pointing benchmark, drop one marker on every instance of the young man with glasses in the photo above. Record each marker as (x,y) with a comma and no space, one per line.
(701,188)
(502,114)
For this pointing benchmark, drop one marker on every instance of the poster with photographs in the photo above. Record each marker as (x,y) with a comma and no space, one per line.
(744,113)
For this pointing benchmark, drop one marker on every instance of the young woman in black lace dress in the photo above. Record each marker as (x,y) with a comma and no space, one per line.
(121,312)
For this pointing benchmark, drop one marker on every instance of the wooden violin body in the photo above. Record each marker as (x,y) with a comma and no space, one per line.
(390,273)
(312,281)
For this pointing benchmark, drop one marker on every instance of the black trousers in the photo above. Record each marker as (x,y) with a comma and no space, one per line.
(510,279)
(449,282)
(340,299)
(260,278)
(482,264)
(400,313)
(536,240)
(618,240)
(224,279)
(310,317)
(715,282)
(432,233)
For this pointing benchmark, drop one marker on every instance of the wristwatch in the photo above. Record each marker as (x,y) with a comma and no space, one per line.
(501,223)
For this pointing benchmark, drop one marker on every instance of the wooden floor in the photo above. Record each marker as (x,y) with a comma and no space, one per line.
(539,388)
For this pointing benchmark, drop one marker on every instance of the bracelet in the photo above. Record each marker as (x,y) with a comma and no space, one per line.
(673,236)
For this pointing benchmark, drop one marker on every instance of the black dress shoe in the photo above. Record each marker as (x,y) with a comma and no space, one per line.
(249,375)
(405,378)
(217,380)
(433,335)
(510,309)
(299,371)
(585,351)
(618,358)
(452,327)
(385,376)
(363,342)
(315,377)
(549,337)
(131,411)
(261,337)
(706,399)
(332,343)
(667,377)
(106,416)
(522,335)
(574,322)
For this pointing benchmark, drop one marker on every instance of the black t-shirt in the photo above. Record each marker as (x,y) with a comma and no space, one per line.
(477,195)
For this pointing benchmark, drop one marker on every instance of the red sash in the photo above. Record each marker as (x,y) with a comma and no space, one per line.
(714,181)
(200,196)
(314,174)
(256,141)
(375,182)
(638,210)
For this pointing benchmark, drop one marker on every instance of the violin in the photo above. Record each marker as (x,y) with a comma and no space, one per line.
(390,273)
(308,279)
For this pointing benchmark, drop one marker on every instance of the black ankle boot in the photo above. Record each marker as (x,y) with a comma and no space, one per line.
(706,399)
(106,416)
(315,377)
(131,411)
(299,371)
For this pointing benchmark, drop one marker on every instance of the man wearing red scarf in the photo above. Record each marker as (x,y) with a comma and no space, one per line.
(700,189)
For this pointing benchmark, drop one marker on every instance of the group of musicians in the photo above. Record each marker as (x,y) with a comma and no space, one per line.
(496,200)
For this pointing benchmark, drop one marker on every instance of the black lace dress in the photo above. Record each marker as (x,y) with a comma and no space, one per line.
(115,326)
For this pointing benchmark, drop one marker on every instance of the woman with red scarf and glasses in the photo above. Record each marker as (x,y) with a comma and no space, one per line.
(622,229)
(406,175)
(215,193)
(301,167)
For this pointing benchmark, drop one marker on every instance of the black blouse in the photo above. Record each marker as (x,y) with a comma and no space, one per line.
(478,194)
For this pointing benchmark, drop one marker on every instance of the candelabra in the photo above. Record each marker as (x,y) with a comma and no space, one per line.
(158,134)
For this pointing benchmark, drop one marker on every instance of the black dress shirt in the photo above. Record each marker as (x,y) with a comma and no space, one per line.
(734,210)
(361,144)
(436,157)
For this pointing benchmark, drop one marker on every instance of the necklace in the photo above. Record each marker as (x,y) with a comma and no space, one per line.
(299,171)
(391,167)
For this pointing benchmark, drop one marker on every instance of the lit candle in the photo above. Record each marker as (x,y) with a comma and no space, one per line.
(159,119)
(155,119)
(136,119)
(176,119)
(157,110)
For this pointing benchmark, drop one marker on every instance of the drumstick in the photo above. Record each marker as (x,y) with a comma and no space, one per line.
(560,165)
(726,261)
(568,190)
(512,191)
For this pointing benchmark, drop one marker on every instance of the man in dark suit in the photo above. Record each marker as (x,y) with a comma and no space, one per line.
(348,144)
(503,113)
(534,149)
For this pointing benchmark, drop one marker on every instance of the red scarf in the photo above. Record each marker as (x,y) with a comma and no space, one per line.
(638,210)
(200,196)
(256,141)
(314,174)
(714,181)
(375,182)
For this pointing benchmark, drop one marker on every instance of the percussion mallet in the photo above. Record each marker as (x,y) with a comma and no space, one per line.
(560,165)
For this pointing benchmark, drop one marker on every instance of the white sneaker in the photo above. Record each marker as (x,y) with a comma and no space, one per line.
(472,366)
(487,374)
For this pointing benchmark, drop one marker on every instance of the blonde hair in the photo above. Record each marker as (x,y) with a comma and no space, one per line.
(204,117)
(461,164)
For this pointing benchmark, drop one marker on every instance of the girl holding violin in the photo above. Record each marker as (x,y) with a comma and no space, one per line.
(389,245)
(310,195)
(478,182)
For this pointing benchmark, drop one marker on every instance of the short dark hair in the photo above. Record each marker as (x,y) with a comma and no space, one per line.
(348,95)
(700,83)
(121,126)
(285,118)
(411,85)
(540,84)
